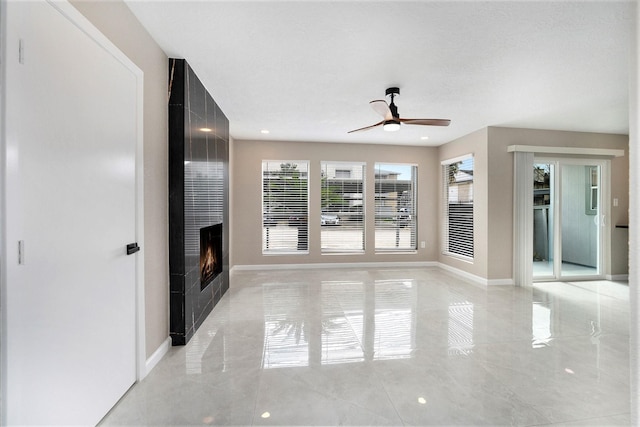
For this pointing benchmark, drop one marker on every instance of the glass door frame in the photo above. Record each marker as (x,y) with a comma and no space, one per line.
(604,231)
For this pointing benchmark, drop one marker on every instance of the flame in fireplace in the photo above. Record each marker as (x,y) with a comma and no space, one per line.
(210,254)
(209,263)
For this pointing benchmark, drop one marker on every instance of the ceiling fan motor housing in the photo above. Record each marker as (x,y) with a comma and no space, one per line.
(393,91)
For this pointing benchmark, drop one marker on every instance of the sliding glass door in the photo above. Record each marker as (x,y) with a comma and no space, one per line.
(568,219)
(543,219)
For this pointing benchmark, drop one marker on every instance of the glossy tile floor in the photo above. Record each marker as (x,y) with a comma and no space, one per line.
(413,346)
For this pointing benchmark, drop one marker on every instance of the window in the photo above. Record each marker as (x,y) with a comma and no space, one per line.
(285,207)
(395,207)
(457,183)
(342,204)
(591,195)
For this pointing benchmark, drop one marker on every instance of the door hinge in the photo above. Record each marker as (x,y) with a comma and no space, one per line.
(21,51)
(21,252)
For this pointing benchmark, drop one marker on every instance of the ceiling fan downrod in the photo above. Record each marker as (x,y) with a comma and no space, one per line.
(393,91)
(393,124)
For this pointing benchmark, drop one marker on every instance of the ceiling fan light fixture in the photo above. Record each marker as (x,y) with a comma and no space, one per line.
(391,119)
(391,126)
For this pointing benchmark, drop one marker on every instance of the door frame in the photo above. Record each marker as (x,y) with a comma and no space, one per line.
(604,231)
(81,22)
(523,156)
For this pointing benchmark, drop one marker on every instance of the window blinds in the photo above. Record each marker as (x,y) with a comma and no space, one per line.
(457,192)
(395,204)
(285,207)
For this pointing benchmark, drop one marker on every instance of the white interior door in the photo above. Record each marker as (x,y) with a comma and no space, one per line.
(70,189)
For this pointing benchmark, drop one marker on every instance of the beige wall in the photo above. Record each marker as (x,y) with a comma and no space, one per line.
(246,207)
(501,191)
(493,191)
(500,209)
(476,144)
(115,20)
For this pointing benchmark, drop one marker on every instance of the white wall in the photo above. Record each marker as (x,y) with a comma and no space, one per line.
(476,144)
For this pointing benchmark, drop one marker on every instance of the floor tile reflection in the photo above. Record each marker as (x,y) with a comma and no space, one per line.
(410,346)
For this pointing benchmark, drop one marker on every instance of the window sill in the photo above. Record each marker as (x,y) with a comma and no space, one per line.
(285,253)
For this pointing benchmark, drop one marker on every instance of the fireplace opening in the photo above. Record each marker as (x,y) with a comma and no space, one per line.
(210,254)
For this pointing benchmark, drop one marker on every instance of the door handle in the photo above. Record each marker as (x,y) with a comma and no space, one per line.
(132,248)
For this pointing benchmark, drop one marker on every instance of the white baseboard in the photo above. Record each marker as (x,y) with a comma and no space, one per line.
(333,265)
(621,277)
(476,279)
(472,277)
(500,282)
(157,356)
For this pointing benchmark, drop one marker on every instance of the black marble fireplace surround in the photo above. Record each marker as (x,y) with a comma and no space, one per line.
(198,199)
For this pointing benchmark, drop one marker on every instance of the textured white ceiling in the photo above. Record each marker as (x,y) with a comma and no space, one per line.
(307,70)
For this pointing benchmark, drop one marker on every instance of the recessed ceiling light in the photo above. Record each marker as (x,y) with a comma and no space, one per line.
(424,138)
(264,131)
(205,129)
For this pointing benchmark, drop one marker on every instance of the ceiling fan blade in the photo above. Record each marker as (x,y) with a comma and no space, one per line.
(381,107)
(427,122)
(367,128)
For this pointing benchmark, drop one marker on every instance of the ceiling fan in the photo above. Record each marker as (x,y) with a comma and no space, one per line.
(391,119)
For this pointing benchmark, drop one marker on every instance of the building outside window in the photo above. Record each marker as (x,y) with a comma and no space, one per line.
(342,205)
